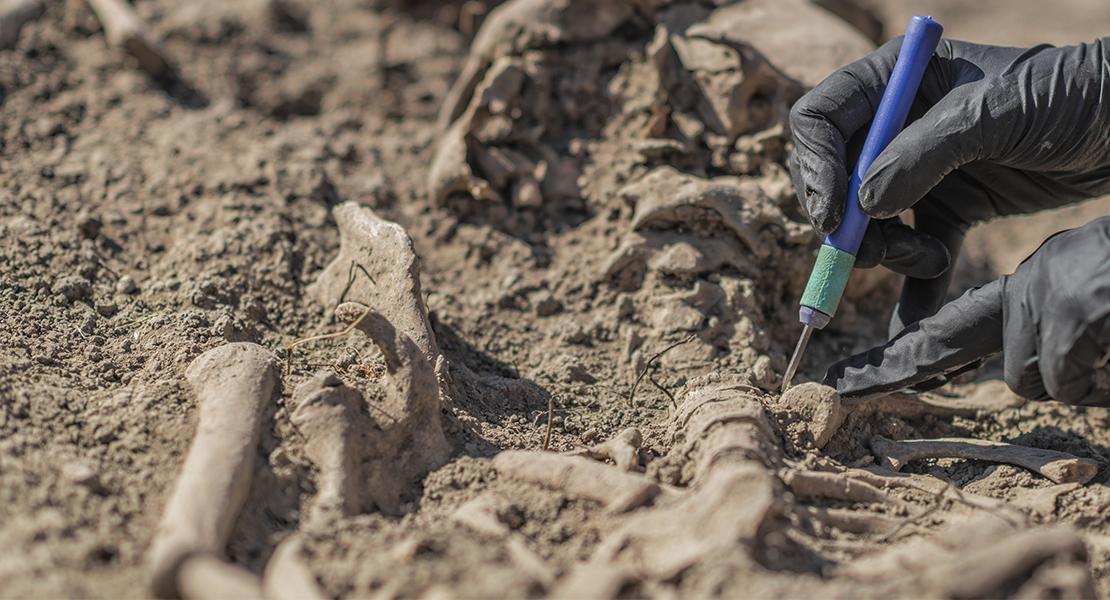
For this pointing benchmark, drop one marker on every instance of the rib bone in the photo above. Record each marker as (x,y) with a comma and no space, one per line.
(623,450)
(617,490)
(233,384)
(1056,466)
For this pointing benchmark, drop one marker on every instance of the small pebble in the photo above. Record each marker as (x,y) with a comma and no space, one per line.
(544,303)
(106,308)
(126,285)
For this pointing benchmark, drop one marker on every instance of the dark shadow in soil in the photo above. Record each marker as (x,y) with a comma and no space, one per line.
(174,86)
(489,388)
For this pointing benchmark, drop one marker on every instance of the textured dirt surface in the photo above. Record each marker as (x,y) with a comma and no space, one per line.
(143,222)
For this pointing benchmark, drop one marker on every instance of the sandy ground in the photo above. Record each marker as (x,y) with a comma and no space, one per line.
(145,221)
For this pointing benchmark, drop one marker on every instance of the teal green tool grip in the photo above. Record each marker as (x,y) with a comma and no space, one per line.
(827,281)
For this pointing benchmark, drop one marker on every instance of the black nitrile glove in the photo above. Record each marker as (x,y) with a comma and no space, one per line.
(1051,318)
(992,131)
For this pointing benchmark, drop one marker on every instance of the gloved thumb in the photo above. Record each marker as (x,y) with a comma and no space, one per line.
(962,332)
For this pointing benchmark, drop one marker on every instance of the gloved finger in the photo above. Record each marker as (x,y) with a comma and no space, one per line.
(823,124)
(872,248)
(1069,373)
(962,332)
(920,297)
(949,135)
(911,252)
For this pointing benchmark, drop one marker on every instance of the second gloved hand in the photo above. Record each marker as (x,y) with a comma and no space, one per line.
(1051,318)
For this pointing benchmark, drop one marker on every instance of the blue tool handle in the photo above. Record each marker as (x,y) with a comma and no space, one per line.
(922,37)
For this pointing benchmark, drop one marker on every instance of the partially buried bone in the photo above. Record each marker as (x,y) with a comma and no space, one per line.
(287,576)
(233,384)
(1060,467)
(370,451)
(124,29)
(377,266)
(623,450)
(618,491)
(725,443)
(831,485)
(483,515)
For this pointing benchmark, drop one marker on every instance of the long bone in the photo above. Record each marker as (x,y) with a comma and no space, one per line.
(233,384)
(1060,467)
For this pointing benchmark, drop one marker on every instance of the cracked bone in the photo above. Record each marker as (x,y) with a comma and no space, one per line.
(370,453)
(124,29)
(839,487)
(1059,467)
(233,384)
(623,450)
(617,490)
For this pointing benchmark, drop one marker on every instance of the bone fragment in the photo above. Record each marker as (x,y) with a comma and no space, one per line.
(1059,467)
(328,415)
(204,576)
(369,458)
(623,450)
(832,485)
(287,577)
(233,384)
(809,413)
(124,29)
(617,490)
(14,14)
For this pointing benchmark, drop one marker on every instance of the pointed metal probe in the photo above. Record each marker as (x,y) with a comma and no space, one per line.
(792,368)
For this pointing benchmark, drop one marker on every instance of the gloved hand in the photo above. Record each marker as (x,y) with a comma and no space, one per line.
(992,131)
(1051,318)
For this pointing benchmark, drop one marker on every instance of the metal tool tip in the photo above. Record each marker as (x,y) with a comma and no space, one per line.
(792,367)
